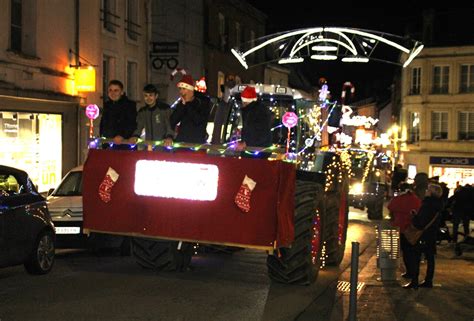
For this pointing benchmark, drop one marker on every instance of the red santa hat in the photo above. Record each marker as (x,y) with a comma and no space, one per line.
(248,94)
(186,82)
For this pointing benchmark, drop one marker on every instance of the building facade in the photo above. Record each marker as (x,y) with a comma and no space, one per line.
(43,44)
(437,114)
(228,24)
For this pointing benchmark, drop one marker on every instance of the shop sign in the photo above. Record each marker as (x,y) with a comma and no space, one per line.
(453,161)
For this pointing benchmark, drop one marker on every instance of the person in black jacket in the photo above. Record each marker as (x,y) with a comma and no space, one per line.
(256,121)
(191,113)
(429,213)
(119,116)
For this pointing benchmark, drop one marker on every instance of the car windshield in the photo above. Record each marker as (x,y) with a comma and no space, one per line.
(70,186)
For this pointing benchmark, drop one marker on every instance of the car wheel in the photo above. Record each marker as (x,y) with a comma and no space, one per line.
(41,259)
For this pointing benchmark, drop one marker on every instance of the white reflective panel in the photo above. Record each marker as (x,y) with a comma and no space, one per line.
(68,230)
(176,180)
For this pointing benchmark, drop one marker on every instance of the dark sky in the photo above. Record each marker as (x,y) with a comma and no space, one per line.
(373,78)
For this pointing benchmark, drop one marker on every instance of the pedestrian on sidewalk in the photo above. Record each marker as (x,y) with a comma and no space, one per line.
(400,209)
(427,219)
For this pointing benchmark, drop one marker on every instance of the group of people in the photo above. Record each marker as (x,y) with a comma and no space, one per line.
(187,122)
(420,205)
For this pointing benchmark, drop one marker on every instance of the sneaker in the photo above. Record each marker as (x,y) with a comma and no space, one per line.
(410,285)
(426,284)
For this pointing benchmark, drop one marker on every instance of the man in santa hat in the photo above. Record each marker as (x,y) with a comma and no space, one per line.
(256,125)
(191,113)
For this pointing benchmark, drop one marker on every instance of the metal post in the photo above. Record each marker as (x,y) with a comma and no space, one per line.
(354,277)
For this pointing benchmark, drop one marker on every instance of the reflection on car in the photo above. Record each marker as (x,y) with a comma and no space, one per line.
(26,229)
(65,206)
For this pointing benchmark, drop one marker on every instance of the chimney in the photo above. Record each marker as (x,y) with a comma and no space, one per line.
(428,26)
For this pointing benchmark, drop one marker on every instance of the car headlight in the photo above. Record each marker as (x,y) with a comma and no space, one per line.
(356,189)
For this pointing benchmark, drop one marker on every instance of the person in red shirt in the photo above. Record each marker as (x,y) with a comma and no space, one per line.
(401,210)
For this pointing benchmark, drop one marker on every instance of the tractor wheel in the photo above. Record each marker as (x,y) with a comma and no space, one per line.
(300,263)
(162,255)
(337,212)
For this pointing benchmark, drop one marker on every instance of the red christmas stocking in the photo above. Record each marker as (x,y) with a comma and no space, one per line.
(242,199)
(105,188)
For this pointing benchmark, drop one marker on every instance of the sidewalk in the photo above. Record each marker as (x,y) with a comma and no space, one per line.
(451,298)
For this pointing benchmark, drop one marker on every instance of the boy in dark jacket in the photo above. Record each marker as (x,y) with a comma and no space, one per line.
(191,113)
(256,125)
(119,116)
(154,118)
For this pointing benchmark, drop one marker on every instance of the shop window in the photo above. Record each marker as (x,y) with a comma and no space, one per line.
(415,82)
(440,80)
(466,126)
(439,125)
(33,143)
(466,84)
(109,15)
(23,27)
(132,80)
(414,128)
(131,20)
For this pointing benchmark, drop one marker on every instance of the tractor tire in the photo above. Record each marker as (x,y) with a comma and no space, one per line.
(335,227)
(298,264)
(375,208)
(161,255)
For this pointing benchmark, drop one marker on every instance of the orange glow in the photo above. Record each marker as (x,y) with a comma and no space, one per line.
(85,79)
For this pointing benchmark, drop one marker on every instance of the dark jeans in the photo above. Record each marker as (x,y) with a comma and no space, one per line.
(407,254)
(457,218)
(429,250)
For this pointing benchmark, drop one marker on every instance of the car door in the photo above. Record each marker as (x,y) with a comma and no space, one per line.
(17,219)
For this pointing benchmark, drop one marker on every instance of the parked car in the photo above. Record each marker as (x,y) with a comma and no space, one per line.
(26,229)
(65,206)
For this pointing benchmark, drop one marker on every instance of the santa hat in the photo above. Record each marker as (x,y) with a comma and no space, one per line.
(248,94)
(186,82)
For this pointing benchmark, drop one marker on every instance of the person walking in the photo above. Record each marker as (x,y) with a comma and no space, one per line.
(191,113)
(153,118)
(427,219)
(119,118)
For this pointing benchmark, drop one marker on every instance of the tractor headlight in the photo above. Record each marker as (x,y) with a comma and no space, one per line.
(356,189)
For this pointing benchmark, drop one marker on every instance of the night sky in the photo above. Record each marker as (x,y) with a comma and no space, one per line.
(453,26)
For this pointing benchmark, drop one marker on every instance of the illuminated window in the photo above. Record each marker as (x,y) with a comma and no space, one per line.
(466,126)
(440,80)
(415,83)
(439,125)
(467,79)
(33,142)
(414,128)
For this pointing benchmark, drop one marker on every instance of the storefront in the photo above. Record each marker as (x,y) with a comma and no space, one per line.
(452,170)
(39,137)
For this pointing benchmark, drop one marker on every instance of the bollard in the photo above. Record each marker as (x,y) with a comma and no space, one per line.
(354,280)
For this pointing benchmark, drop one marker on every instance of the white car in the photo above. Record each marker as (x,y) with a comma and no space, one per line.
(65,206)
